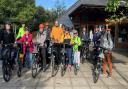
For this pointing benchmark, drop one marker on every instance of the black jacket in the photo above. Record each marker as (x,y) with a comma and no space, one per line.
(84,37)
(1,33)
(48,31)
(8,38)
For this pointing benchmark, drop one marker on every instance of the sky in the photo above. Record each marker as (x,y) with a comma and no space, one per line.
(49,4)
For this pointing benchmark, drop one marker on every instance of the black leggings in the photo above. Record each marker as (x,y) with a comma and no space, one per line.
(57,48)
(43,56)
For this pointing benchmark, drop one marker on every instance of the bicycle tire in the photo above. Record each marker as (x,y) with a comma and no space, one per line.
(34,67)
(96,75)
(75,70)
(19,69)
(63,69)
(52,65)
(83,57)
(6,71)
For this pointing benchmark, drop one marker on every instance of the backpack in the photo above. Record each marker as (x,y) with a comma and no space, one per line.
(106,41)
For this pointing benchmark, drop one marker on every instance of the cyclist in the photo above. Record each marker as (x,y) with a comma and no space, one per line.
(57,39)
(84,35)
(76,41)
(67,40)
(96,36)
(21,31)
(85,39)
(41,38)
(27,47)
(7,37)
(107,44)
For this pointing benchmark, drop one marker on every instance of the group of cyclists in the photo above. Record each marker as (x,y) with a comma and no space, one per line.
(58,36)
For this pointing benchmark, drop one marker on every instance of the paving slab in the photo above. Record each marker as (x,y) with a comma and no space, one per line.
(45,88)
(65,82)
(117,87)
(79,82)
(91,82)
(63,87)
(44,82)
(81,87)
(99,87)
(110,81)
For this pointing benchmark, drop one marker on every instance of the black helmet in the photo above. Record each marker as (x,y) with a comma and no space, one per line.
(8,22)
(22,22)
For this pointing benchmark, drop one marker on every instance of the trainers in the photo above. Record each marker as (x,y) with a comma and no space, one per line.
(109,76)
(69,67)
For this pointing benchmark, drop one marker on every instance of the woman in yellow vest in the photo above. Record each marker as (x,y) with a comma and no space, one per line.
(67,40)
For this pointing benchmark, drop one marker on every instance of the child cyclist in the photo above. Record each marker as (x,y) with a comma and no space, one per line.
(27,47)
(76,54)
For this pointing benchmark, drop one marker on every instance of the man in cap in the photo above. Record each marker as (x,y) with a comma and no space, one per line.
(41,38)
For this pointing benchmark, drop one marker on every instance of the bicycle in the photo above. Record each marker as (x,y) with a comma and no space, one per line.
(85,51)
(63,57)
(20,59)
(6,64)
(98,64)
(54,67)
(36,61)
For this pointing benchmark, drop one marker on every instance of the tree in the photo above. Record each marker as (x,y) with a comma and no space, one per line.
(113,6)
(17,9)
(59,7)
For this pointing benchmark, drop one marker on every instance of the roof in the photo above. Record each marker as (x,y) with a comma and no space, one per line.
(65,19)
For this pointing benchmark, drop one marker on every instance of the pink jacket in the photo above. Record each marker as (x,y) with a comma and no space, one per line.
(30,43)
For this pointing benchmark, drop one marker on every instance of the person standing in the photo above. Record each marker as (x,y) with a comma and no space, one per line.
(107,44)
(57,35)
(68,48)
(41,38)
(84,35)
(27,47)
(96,37)
(76,42)
(8,37)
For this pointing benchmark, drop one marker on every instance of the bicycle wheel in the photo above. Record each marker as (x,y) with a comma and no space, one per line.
(63,69)
(75,69)
(53,65)
(96,74)
(35,67)
(6,71)
(83,57)
(19,70)
(88,55)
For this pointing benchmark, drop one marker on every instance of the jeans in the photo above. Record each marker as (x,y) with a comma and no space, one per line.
(28,60)
(69,55)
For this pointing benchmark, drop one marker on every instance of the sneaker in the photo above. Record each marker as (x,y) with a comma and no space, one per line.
(109,76)
(69,67)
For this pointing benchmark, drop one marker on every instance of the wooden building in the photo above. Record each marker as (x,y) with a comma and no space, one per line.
(89,13)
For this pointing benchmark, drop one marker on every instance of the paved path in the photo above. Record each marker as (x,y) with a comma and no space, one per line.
(83,80)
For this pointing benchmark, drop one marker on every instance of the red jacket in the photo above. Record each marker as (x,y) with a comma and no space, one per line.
(30,43)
